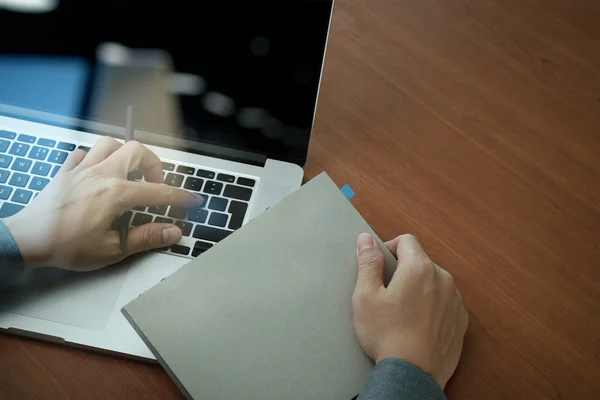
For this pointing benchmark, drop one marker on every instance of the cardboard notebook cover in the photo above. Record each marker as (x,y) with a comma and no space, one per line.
(266,313)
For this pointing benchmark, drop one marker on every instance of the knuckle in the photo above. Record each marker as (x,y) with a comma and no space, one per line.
(409,236)
(149,238)
(105,140)
(360,299)
(78,153)
(425,265)
(167,191)
(114,190)
(371,258)
(450,282)
(135,146)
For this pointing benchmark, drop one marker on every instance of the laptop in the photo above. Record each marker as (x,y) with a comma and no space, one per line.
(225,94)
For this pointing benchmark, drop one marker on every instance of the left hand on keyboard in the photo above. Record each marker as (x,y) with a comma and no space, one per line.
(71,224)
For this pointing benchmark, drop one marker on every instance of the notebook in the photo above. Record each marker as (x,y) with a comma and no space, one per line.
(266,313)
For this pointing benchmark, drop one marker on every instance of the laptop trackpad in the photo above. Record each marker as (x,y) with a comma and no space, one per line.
(81,299)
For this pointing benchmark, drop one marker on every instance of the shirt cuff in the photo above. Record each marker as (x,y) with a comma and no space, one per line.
(11,262)
(393,378)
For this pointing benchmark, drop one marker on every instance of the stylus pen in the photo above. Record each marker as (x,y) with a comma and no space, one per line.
(124,222)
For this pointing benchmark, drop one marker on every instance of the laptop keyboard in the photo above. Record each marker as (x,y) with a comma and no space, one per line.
(28,163)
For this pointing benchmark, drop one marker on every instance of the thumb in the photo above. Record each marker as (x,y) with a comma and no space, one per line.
(151,236)
(371,263)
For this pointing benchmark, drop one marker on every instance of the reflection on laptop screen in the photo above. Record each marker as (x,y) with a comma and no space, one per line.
(241,74)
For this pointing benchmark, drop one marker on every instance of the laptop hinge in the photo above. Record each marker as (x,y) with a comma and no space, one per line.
(202,148)
(226,153)
(192,146)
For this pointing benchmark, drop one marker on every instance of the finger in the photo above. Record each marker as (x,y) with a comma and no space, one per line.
(100,151)
(74,159)
(392,245)
(134,155)
(156,194)
(371,264)
(151,236)
(409,250)
(462,323)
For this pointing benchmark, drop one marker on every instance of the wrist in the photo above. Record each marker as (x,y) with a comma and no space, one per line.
(410,360)
(34,252)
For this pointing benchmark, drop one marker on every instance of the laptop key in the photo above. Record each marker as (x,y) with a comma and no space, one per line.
(4,175)
(186,170)
(26,138)
(186,227)
(194,184)
(84,148)
(179,249)
(205,174)
(5,192)
(7,134)
(217,203)
(22,196)
(163,220)
(174,179)
(212,187)
(198,215)
(178,212)
(4,145)
(168,166)
(209,233)
(139,208)
(19,149)
(21,165)
(226,178)
(5,161)
(55,171)
(46,142)
(58,157)
(158,210)
(41,169)
(66,146)
(38,153)
(237,192)
(200,247)
(246,182)
(237,209)
(218,219)
(141,219)
(19,180)
(9,209)
(38,183)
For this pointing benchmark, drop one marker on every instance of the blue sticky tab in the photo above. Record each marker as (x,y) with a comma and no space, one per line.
(347,191)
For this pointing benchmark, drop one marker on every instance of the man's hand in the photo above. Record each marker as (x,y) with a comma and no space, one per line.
(418,318)
(71,224)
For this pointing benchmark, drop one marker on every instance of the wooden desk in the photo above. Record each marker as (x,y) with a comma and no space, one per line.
(474,124)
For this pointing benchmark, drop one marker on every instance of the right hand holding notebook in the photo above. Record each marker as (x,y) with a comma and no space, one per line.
(419,317)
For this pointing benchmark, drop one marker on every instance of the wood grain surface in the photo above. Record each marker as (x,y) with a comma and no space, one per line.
(475,125)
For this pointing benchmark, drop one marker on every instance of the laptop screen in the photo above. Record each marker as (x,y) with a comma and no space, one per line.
(241,74)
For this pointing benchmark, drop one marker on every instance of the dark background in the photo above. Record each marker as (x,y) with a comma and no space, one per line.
(208,38)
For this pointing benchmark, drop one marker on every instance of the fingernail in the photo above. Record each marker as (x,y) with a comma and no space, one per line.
(364,241)
(170,235)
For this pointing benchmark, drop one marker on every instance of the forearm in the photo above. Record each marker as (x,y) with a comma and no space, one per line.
(11,263)
(395,379)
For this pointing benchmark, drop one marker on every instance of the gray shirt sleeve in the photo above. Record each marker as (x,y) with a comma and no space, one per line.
(395,379)
(11,263)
